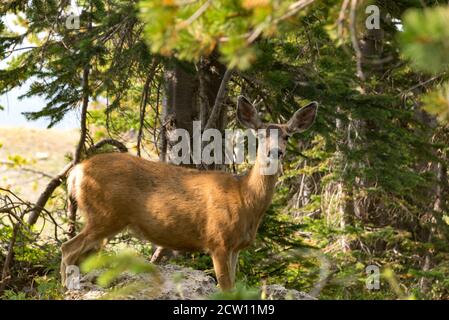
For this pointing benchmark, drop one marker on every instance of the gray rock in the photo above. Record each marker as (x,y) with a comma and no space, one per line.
(278,292)
(171,282)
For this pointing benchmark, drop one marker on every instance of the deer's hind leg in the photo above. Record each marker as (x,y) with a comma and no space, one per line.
(91,238)
(76,247)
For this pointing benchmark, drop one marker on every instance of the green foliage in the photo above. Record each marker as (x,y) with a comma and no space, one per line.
(18,160)
(115,265)
(128,119)
(194,29)
(34,263)
(48,287)
(425,39)
(437,102)
(12,295)
(241,292)
(58,55)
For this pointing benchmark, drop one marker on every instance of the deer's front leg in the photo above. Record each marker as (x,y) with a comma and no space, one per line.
(222,265)
(234,262)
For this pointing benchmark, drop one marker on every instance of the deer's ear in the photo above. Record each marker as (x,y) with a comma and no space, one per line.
(303,118)
(247,114)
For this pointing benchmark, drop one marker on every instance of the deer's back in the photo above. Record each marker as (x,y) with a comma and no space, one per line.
(169,205)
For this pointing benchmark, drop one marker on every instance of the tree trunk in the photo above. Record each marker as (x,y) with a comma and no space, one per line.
(189,96)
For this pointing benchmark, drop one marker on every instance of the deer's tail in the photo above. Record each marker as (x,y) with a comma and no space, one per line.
(73,180)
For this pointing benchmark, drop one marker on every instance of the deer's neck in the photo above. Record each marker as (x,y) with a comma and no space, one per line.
(258,188)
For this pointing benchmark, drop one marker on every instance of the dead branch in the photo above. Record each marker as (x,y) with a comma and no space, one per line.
(83,125)
(100,144)
(341,18)
(221,96)
(144,102)
(85,104)
(9,257)
(46,194)
(11,204)
(355,41)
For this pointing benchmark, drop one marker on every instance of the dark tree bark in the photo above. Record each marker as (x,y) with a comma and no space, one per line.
(212,72)
(192,95)
(181,86)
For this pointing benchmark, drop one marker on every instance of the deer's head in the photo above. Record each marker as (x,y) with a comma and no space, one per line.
(276,135)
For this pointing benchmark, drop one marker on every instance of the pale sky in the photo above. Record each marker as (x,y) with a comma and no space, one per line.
(11,115)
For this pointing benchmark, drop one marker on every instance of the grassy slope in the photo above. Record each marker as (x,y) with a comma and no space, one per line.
(43,149)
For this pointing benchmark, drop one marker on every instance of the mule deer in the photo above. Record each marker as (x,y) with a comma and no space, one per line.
(176,207)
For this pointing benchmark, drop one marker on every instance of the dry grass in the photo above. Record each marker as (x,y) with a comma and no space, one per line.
(43,149)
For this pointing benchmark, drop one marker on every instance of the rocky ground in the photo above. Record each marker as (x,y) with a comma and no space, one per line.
(172,282)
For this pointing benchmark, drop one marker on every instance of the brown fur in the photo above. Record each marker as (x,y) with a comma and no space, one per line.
(172,206)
